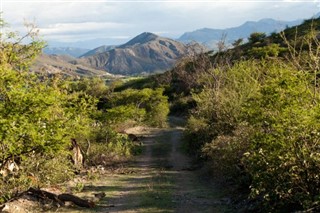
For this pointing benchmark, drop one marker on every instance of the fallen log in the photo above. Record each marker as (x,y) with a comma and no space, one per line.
(44,195)
(60,199)
(133,137)
(76,200)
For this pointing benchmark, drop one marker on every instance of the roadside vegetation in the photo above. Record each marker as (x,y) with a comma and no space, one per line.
(256,120)
(253,116)
(40,115)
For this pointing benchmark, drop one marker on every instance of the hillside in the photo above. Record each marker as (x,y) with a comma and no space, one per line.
(144,54)
(184,77)
(210,37)
(64,64)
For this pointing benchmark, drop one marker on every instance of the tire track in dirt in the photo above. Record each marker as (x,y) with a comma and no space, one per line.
(158,180)
(193,194)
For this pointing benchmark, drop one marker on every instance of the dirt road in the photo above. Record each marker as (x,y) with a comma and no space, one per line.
(162,179)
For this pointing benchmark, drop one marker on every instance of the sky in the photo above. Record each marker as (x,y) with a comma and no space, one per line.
(89,22)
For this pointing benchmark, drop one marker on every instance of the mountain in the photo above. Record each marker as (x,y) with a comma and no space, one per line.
(65,65)
(144,54)
(88,43)
(210,37)
(71,51)
(98,50)
(316,15)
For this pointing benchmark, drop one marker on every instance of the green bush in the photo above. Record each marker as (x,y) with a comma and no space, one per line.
(38,116)
(219,105)
(257,37)
(283,159)
(146,105)
(117,149)
(257,123)
(272,50)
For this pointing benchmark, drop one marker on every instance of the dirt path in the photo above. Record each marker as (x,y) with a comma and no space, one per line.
(159,180)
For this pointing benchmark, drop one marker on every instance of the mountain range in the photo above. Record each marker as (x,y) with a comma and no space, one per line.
(71,51)
(210,37)
(149,53)
(144,54)
(206,36)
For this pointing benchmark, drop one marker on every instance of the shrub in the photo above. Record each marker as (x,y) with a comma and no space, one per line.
(257,122)
(283,158)
(256,37)
(146,105)
(272,50)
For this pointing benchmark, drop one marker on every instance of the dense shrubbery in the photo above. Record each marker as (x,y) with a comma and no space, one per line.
(272,50)
(39,115)
(146,105)
(258,122)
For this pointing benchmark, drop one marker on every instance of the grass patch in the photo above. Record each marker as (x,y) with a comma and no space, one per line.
(157,194)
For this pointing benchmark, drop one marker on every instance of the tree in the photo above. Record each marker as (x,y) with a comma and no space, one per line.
(256,37)
(237,42)
(15,53)
(147,105)
(38,115)
(221,45)
(272,50)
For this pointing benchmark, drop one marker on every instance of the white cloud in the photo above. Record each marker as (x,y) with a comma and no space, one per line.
(82,19)
(84,27)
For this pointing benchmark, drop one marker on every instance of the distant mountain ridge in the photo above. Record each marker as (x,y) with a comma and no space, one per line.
(148,53)
(71,51)
(210,37)
(145,53)
(101,49)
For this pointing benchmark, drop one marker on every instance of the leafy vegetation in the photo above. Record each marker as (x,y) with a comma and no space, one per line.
(256,122)
(146,105)
(40,114)
(253,115)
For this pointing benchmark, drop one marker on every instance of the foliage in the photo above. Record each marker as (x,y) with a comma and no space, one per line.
(283,159)
(38,116)
(256,37)
(111,148)
(237,42)
(95,87)
(13,53)
(272,50)
(146,105)
(257,124)
(219,105)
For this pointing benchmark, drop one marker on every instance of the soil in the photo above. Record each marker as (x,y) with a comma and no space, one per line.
(161,179)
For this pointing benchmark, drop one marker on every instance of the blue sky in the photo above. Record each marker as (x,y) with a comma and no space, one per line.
(117,21)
